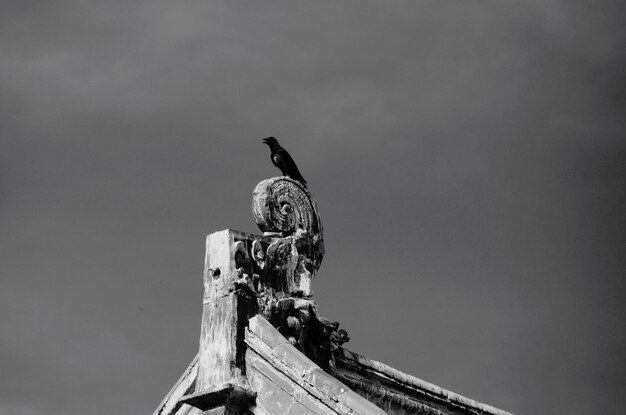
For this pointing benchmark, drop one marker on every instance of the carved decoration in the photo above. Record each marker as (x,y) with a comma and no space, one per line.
(284,207)
(274,271)
(317,337)
(258,254)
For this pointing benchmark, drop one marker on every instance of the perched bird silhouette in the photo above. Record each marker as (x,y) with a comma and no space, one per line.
(282,160)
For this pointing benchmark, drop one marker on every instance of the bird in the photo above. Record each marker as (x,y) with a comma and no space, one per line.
(282,160)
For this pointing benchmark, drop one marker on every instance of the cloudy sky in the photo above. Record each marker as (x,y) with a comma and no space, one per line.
(468,159)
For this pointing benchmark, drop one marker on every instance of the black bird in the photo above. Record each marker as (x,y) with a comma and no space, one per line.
(282,160)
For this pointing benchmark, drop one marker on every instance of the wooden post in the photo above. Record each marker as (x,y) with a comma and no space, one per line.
(221,365)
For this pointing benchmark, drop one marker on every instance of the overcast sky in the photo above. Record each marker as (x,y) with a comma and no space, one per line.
(468,159)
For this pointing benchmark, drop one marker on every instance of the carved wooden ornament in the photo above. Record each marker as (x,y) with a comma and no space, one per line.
(282,205)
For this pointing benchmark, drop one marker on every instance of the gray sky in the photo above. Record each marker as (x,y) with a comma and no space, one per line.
(468,159)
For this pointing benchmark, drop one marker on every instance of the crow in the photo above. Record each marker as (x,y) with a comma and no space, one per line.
(282,160)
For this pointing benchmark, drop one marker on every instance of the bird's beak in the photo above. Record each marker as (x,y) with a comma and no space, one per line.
(265,140)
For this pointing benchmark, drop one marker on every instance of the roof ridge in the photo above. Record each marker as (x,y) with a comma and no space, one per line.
(414,383)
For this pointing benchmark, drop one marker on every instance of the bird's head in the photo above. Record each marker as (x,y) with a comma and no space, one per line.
(270,141)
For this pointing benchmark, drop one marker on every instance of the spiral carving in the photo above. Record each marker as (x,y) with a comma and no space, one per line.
(285,206)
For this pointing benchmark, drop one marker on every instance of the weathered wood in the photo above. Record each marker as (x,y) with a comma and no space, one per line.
(264,348)
(221,367)
(217,361)
(282,206)
(185,385)
(288,382)
(401,394)
(236,395)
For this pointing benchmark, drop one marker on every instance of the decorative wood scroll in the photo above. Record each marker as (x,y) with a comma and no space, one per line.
(284,207)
